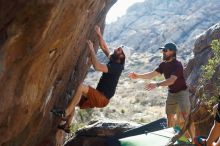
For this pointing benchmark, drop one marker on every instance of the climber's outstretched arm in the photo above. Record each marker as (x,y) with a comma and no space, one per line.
(96,64)
(102,42)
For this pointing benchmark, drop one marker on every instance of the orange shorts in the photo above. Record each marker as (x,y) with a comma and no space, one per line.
(93,99)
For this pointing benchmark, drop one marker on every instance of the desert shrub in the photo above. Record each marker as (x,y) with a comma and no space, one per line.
(142,121)
(76,126)
(122,111)
(208,71)
(85,115)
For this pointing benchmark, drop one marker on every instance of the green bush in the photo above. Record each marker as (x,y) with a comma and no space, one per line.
(122,111)
(208,71)
(76,126)
(141,121)
(210,68)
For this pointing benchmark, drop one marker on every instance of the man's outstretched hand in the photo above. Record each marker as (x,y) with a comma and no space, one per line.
(98,30)
(90,45)
(151,86)
(132,75)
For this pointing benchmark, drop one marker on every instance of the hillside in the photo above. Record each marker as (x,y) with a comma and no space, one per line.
(150,24)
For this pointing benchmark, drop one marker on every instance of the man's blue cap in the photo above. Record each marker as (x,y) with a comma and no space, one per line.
(169,46)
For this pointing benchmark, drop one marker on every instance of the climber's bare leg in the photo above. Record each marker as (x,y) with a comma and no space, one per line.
(82,90)
(214,134)
(170,120)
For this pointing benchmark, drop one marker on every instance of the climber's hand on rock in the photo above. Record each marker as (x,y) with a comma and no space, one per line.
(132,75)
(90,45)
(98,30)
(150,86)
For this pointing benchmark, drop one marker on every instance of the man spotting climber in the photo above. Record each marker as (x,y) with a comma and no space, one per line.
(178,95)
(88,97)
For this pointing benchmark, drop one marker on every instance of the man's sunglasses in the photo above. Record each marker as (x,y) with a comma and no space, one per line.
(165,50)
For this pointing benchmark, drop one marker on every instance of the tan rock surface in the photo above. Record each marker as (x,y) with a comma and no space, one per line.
(42,61)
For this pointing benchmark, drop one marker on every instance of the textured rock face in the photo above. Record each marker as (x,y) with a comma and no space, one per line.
(150,24)
(42,61)
(202,52)
(97,132)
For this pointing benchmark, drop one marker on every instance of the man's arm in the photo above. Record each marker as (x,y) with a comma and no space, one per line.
(96,64)
(148,75)
(167,82)
(102,42)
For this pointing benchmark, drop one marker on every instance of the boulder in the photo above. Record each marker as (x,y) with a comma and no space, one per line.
(43,58)
(97,132)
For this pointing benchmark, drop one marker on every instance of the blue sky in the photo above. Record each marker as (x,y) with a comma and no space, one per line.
(119,9)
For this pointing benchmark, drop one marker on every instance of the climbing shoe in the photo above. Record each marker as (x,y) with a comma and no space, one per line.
(63,127)
(59,113)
